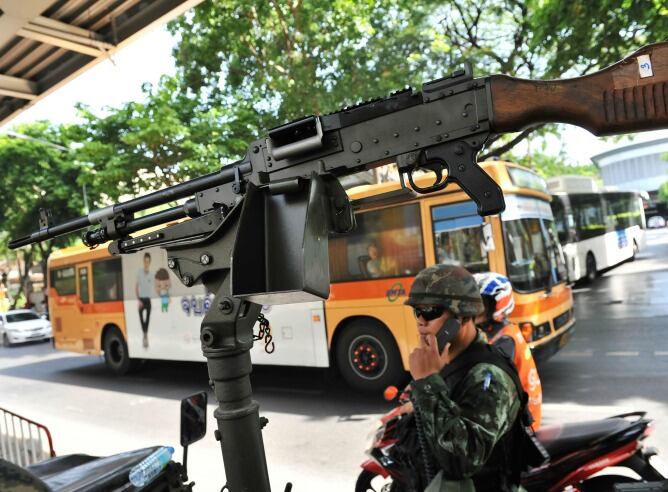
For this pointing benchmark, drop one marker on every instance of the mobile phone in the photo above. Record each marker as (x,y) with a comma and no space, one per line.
(447,333)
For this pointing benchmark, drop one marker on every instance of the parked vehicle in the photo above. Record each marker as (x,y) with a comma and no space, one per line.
(23,325)
(577,452)
(656,222)
(22,450)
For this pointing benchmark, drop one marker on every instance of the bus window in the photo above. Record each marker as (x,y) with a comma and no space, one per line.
(63,281)
(458,237)
(386,243)
(107,280)
(83,285)
(523,178)
(589,217)
(623,210)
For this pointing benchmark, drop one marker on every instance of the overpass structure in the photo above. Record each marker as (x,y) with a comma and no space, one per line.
(46,43)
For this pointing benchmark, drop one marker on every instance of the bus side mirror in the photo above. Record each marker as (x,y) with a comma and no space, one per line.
(193,418)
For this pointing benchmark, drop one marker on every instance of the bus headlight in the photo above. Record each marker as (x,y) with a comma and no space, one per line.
(532,333)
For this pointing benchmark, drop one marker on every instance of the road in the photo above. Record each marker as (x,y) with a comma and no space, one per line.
(617,361)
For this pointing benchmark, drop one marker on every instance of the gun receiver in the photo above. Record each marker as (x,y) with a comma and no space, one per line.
(258,228)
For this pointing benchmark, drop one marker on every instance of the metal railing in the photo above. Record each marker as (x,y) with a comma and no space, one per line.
(22,441)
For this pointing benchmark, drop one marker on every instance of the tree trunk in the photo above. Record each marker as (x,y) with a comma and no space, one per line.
(25,285)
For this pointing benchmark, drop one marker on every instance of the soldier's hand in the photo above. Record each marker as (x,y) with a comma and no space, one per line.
(425,359)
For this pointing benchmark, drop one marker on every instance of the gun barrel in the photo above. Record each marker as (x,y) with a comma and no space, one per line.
(182,190)
(51,232)
(99,236)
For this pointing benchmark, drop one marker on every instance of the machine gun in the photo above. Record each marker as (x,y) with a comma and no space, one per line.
(258,229)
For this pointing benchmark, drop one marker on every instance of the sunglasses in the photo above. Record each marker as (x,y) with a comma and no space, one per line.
(428,313)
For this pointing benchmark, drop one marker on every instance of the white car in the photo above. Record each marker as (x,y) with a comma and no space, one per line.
(23,325)
(656,221)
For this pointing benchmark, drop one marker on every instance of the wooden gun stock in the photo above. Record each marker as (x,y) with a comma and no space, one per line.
(629,96)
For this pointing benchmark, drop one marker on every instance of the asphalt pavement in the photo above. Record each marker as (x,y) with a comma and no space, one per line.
(617,361)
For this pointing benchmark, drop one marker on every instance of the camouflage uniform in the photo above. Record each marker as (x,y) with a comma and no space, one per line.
(462,424)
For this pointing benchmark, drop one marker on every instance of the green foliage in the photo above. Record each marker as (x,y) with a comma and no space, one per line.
(581,35)
(663,192)
(159,142)
(550,166)
(306,56)
(37,173)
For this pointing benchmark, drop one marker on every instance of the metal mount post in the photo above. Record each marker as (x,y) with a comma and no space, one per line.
(227,337)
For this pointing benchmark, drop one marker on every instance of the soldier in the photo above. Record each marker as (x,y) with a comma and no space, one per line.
(467,404)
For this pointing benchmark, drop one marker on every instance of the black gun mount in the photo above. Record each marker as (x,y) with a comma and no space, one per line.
(258,229)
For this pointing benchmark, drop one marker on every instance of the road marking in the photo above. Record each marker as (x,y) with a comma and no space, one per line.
(623,354)
(661,353)
(575,353)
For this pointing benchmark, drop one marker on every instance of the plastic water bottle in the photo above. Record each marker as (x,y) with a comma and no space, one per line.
(151,466)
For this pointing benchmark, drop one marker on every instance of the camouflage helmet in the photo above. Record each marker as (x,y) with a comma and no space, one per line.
(452,287)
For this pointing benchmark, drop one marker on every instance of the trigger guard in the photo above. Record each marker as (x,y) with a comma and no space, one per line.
(439,185)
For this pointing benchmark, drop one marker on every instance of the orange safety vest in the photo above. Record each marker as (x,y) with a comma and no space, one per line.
(526,367)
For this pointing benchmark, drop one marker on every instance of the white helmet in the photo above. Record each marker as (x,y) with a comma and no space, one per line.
(497,289)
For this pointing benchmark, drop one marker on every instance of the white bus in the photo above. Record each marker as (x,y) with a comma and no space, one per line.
(598,230)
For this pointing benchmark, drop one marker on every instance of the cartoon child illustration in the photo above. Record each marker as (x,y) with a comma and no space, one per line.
(162,286)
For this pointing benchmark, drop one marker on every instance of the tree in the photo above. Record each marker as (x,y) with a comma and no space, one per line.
(147,145)
(37,173)
(663,192)
(303,56)
(246,66)
(550,166)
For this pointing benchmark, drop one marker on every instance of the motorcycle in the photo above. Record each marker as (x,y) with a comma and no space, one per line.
(577,452)
(23,444)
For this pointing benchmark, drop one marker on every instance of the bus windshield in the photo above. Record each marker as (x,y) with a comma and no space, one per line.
(533,255)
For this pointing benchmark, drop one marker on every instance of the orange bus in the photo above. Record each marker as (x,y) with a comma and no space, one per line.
(133,308)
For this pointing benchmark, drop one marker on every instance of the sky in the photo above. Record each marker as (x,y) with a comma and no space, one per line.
(110,83)
(118,80)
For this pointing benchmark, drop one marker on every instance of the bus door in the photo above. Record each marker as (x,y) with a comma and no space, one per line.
(83,328)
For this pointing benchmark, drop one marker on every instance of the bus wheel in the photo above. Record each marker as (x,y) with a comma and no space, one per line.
(116,353)
(636,250)
(591,268)
(367,356)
